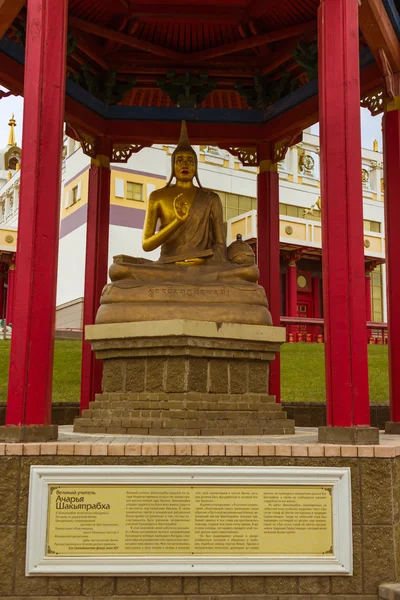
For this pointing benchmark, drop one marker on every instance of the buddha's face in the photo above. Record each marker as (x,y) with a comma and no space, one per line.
(185,166)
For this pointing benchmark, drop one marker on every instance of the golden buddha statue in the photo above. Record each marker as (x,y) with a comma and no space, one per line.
(197,276)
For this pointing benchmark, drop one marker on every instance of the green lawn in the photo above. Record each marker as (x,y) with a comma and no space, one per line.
(67,370)
(302,372)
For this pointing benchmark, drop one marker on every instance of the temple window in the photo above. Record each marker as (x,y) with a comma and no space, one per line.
(374,226)
(234,205)
(288,210)
(12,163)
(377,295)
(74,195)
(134,191)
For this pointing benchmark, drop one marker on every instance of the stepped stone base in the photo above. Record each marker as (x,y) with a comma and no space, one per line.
(185,378)
(190,413)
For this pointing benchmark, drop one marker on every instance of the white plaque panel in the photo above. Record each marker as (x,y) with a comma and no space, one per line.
(122,520)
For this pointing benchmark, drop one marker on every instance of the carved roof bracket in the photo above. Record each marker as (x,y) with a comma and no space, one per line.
(121,153)
(87,141)
(388,74)
(247,155)
(281,147)
(93,146)
(374,101)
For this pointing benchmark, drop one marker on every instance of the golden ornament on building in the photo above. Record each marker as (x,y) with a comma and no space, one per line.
(9,239)
(289,230)
(11,138)
(365,175)
(302,282)
(306,163)
(367,243)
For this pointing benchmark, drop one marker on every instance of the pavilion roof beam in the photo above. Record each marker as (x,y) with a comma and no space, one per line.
(211,13)
(109,45)
(257,8)
(89,47)
(125,40)
(379,34)
(138,132)
(131,59)
(123,3)
(9,11)
(148,76)
(253,42)
(11,75)
(306,114)
(282,54)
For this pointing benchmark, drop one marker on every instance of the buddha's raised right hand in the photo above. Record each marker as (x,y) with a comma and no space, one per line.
(181,208)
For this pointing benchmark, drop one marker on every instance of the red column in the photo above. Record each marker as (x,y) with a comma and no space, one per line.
(97,235)
(2,291)
(368,302)
(268,248)
(316,305)
(346,359)
(10,294)
(316,297)
(31,362)
(391,155)
(292,289)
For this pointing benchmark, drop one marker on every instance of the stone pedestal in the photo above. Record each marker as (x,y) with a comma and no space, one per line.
(348,435)
(28,433)
(392,427)
(185,378)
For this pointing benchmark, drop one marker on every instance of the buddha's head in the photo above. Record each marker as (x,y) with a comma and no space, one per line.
(185,165)
(184,160)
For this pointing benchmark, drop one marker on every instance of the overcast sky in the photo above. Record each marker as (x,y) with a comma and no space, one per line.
(370,126)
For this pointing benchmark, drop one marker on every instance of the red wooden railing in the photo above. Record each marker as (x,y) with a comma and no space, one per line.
(312,330)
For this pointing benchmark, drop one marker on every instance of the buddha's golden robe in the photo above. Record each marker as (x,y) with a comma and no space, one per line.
(217,290)
(199,233)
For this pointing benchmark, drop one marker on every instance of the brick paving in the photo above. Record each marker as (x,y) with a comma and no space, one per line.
(301,444)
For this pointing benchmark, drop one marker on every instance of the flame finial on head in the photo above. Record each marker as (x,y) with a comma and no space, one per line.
(184,144)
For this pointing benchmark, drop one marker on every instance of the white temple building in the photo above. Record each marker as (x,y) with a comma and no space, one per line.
(131,185)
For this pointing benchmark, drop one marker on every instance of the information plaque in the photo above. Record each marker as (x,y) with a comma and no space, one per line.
(164,520)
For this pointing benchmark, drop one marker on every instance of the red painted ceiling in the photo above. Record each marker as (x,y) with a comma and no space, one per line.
(150,38)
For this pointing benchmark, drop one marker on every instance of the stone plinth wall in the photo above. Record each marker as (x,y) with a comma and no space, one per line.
(192,366)
(185,378)
(376,524)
